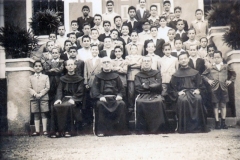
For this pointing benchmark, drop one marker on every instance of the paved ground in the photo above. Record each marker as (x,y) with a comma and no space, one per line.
(215,145)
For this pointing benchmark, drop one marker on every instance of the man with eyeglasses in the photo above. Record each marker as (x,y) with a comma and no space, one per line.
(110,109)
(110,14)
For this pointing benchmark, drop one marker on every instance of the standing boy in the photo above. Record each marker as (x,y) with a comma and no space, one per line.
(173,23)
(106,26)
(200,25)
(85,18)
(110,14)
(157,42)
(181,33)
(217,77)
(142,13)
(195,61)
(192,39)
(132,22)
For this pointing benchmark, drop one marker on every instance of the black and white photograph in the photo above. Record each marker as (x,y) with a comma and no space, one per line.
(119,79)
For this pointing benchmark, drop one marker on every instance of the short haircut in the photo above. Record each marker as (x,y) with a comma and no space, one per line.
(140,0)
(115,30)
(217,52)
(177,40)
(153,6)
(171,30)
(67,42)
(37,61)
(167,1)
(94,29)
(56,49)
(72,34)
(73,47)
(177,7)
(53,33)
(125,25)
(152,43)
(118,47)
(153,27)
(116,18)
(183,53)
(86,24)
(203,38)
(85,36)
(94,45)
(134,46)
(162,17)
(198,10)
(196,47)
(61,25)
(74,21)
(131,8)
(192,29)
(109,1)
(97,15)
(107,38)
(165,45)
(134,31)
(104,22)
(180,20)
(211,46)
(145,21)
(49,42)
(85,7)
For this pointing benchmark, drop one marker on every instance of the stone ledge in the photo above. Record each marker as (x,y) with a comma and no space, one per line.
(230,121)
(19,60)
(16,69)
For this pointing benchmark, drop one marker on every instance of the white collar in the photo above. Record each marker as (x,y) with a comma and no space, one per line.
(95,42)
(180,32)
(134,20)
(153,18)
(218,64)
(36,75)
(167,57)
(194,57)
(57,60)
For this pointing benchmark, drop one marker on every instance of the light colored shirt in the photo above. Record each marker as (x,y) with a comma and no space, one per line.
(155,61)
(84,54)
(163,33)
(109,16)
(168,66)
(219,65)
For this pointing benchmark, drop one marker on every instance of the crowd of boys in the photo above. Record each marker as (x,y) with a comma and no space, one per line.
(115,68)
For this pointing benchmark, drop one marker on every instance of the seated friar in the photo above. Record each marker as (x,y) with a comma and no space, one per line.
(67,107)
(149,108)
(110,110)
(185,88)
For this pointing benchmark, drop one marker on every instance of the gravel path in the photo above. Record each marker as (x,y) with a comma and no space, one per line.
(215,145)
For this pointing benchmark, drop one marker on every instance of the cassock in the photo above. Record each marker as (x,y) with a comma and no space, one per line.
(110,116)
(190,111)
(64,114)
(150,113)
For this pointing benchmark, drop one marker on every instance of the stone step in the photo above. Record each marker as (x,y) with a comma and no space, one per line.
(230,121)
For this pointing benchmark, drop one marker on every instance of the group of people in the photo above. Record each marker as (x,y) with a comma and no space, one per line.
(105,70)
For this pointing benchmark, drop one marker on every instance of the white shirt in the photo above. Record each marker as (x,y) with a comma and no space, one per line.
(178,52)
(109,16)
(168,67)
(180,33)
(132,22)
(219,65)
(94,60)
(84,54)
(142,11)
(57,60)
(163,33)
(60,40)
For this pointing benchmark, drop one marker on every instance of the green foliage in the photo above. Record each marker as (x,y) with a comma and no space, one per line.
(18,42)
(219,15)
(45,22)
(232,37)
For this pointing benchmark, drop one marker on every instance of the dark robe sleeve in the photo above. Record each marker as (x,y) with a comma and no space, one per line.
(172,90)
(120,87)
(59,93)
(157,86)
(78,95)
(140,87)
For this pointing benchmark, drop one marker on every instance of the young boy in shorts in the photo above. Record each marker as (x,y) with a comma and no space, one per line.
(217,77)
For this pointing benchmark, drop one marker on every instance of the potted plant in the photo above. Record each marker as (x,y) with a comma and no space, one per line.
(18,42)
(45,22)
(232,36)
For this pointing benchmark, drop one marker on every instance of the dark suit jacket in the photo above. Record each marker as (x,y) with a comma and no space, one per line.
(146,14)
(158,50)
(184,37)
(200,65)
(173,24)
(103,53)
(81,21)
(137,26)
